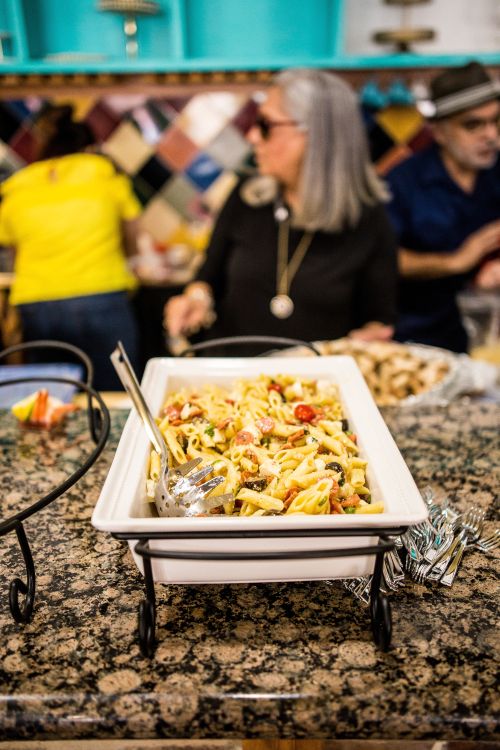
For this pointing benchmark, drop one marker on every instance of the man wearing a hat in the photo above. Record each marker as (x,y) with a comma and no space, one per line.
(446,208)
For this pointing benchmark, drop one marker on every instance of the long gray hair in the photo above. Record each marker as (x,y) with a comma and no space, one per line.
(338,178)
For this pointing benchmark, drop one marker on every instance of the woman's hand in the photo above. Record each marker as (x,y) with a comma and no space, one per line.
(373,331)
(188,312)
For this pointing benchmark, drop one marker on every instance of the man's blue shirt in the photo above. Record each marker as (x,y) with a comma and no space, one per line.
(432,214)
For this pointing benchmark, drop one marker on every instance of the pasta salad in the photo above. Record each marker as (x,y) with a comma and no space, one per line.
(282,444)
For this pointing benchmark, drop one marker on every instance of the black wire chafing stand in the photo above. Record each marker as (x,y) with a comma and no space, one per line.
(99,426)
(380,611)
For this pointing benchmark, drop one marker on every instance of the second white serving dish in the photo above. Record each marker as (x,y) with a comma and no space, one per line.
(122,507)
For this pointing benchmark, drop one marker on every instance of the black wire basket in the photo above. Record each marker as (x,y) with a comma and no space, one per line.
(98,425)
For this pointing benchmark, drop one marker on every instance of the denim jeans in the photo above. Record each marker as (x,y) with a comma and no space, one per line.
(94,323)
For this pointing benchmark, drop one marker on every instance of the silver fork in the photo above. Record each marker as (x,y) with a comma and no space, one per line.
(489,543)
(177,491)
(471,529)
(437,559)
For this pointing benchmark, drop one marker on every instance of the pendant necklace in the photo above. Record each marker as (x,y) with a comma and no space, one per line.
(281,305)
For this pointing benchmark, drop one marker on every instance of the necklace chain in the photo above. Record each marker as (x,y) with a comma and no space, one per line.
(286,270)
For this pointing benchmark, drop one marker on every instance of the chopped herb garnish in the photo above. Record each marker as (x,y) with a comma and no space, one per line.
(210,430)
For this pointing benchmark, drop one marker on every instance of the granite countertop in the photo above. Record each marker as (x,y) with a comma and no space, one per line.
(277,660)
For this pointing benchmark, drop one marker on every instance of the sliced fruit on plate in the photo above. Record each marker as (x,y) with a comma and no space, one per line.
(41,409)
(24,408)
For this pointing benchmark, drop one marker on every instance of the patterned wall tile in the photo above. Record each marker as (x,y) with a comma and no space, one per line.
(155,173)
(400,123)
(206,115)
(160,219)
(10,121)
(24,109)
(124,103)
(421,139)
(142,189)
(176,148)
(392,157)
(229,147)
(151,120)
(10,162)
(180,194)
(245,117)
(127,148)
(380,142)
(102,120)
(202,171)
(177,103)
(82,105)
(219,190)
(24,144)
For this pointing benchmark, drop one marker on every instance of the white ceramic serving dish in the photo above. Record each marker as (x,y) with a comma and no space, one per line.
(122,507)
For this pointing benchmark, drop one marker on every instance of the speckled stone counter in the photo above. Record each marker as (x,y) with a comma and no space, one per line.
(290,660)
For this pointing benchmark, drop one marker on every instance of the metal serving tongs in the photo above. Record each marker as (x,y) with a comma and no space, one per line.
(177,492)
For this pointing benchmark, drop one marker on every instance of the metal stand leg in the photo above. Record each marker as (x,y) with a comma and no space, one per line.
(147,613)
(17,587)
(379,605)
(380,609)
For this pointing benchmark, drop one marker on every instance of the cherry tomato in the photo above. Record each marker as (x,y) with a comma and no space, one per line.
(304,413)
(275,387)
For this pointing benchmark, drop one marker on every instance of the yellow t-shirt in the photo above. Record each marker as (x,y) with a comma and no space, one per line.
(63,217)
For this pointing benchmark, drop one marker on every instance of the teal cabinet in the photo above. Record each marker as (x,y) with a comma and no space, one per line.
(13,33)
(74,36)
(261,33)
(55,28)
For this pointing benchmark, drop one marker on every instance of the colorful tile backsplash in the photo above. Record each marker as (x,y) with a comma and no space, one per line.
(183,153)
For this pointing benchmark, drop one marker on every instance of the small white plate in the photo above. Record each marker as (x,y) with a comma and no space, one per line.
(122,507)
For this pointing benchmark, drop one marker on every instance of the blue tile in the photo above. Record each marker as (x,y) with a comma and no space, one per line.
(203,171)
(19,109)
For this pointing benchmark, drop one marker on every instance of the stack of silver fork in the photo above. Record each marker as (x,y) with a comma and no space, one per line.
(393,577)
(432,550)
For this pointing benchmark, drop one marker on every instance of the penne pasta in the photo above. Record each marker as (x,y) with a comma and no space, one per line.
(281,444)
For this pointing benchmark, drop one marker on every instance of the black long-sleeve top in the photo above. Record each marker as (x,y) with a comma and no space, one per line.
(346,279)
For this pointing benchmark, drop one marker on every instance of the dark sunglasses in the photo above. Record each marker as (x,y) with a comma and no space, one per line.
(265,126)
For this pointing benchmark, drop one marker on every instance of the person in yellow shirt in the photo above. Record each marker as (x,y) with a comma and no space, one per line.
(71,219)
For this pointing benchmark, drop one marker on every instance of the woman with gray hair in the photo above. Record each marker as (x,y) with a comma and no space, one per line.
(305,248)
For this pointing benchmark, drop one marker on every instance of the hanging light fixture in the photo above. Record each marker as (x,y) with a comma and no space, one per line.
(406,34)
(130,9)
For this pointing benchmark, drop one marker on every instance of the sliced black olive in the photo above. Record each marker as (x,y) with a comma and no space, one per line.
(256,484)
(345,425)
(334,466)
